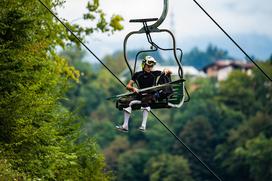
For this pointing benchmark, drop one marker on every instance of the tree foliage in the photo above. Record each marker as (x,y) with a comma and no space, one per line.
(166,167)
(39,137)
(200,59)
(226,124)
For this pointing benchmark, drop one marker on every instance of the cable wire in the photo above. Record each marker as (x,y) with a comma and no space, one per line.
(232,40)
(212,172)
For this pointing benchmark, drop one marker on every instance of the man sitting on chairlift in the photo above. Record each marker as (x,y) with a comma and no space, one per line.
(145,78)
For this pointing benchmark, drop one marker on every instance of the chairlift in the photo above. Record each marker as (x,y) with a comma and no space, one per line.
(171,93)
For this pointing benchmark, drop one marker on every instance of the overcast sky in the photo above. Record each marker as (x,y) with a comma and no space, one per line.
(240,18)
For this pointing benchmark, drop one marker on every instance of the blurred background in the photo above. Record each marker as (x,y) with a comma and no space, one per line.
(56,121)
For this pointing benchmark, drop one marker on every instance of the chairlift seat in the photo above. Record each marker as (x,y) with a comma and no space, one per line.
(174,99)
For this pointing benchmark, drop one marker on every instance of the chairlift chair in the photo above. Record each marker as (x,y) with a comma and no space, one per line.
(171,93)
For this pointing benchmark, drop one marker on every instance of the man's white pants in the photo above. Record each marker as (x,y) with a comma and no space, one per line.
(128,110)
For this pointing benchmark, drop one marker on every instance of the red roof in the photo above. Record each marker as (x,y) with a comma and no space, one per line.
(219,64)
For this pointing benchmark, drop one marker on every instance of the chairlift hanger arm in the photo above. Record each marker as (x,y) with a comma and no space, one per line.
(162,18)
(163,15)
(152,44)
(154,27)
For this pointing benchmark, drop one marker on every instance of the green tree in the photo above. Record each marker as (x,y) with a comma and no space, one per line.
(256,154)
(158,139)
(167,167)
(238,93)
(199,135)
(131,165)
(206,102)
(116,62)
(7,173)
(201,104)
(256,130)
(263,87)
(118,146)
(200,59)
(97,15)
(38,135)
(82,96)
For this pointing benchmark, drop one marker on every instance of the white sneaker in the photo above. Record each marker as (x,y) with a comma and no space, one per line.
(142,128)
(121,128)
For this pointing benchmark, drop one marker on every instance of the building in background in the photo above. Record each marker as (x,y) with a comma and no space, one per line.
(222,68)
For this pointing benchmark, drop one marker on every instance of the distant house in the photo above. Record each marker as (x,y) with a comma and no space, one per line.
(222,68)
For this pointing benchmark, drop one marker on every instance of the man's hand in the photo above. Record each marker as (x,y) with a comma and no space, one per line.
(167,71)
(131,88)
(135,90)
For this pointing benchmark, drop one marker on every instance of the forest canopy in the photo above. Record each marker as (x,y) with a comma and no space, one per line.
(39,136)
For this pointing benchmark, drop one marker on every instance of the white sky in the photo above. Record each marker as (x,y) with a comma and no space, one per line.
(237,17)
